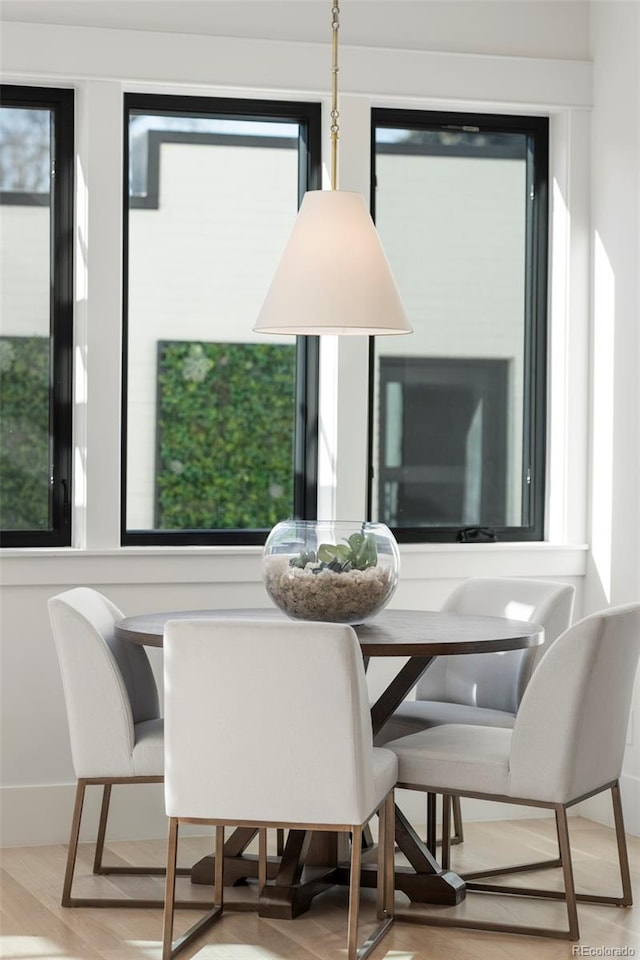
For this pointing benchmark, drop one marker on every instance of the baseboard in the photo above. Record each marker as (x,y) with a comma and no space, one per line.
(413,804)
(41,814)
(598,808)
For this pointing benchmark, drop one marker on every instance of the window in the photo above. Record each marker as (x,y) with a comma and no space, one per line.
(36,332)
(220,423)
(458,424)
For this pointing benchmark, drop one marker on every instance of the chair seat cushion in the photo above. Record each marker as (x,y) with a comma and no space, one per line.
(414,715)
(461,757)
(148,749)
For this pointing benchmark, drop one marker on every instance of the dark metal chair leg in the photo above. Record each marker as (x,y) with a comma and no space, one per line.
(458,829)
(567,871)
(171,948)
(445,856)
(72,852)
(354,893)
(457,835)
(102,828)
(170,889)
(431,823)
(621,840)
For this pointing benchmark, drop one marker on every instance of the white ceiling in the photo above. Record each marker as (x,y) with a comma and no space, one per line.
(548,28)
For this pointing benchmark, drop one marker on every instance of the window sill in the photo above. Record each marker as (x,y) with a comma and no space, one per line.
(242,564)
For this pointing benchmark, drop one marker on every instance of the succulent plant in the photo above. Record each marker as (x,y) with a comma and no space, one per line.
(358,552)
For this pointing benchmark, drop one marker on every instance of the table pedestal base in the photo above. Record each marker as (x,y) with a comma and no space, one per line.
(313,861)
(445,888)
(279,902)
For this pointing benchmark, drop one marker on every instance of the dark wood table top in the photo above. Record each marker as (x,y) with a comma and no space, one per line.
(392,633)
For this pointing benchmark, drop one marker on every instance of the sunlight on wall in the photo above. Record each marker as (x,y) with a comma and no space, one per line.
(80,446)
(80,358)
(602,414)
(82,217)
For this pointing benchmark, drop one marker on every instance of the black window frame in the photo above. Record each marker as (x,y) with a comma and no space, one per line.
(60,101)
(534,443)
(305,459)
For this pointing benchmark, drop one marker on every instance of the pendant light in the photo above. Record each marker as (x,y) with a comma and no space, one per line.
(334,277)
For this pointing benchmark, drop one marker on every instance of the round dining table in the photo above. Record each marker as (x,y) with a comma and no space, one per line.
(305,868)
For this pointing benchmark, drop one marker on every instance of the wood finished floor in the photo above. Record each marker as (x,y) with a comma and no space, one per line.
(33,925)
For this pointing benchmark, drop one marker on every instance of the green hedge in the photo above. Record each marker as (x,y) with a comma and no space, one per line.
(225,435)
(24,433)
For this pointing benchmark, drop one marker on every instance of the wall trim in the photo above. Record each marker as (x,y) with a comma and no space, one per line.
(40,814)
(69,53)
(193,565)
(599,808)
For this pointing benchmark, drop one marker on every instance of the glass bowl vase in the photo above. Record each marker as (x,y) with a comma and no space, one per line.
(334,571)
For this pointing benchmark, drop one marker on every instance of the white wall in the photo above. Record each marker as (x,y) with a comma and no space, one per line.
(613,570)
(528,28)
(100,64)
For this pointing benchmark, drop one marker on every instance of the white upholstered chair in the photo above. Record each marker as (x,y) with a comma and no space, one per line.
(483,688)
(567,743)
(114,719)
(299,752)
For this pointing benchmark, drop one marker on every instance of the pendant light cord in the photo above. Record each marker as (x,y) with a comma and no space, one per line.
(335,127)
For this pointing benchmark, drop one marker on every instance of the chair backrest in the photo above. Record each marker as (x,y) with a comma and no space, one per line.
(108,684)
(498,680)
(266,721)
(570,732)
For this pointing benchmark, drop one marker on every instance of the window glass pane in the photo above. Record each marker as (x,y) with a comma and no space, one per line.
(25,315)
(211,412)
(451,410)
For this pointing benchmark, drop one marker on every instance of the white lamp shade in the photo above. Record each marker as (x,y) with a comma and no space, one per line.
(334,277)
